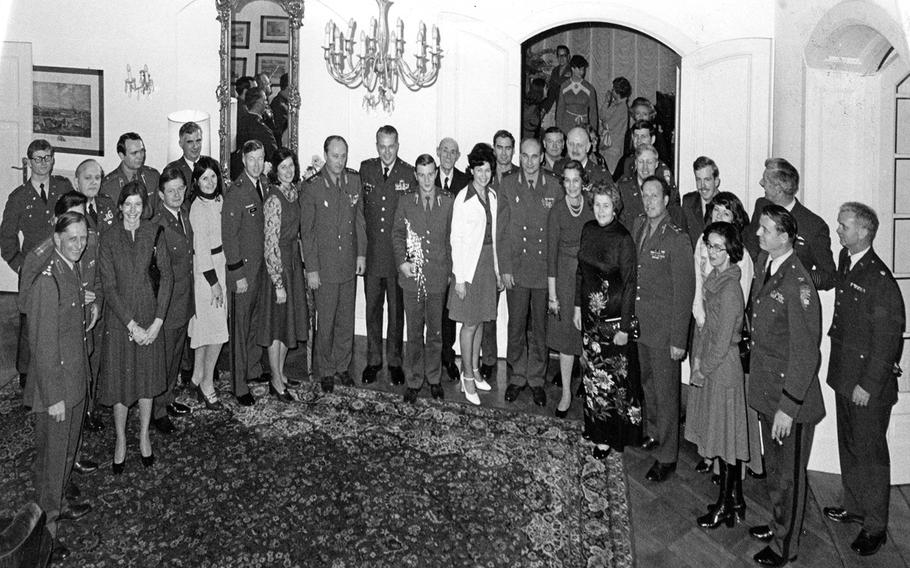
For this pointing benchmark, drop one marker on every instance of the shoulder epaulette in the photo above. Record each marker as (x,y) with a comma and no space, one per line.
(352,170)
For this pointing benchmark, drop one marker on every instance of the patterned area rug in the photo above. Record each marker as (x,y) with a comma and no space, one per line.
(356,478)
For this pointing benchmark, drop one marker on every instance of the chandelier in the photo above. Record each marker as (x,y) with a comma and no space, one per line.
(380,63)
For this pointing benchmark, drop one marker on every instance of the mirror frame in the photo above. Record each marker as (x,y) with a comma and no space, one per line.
(226,11)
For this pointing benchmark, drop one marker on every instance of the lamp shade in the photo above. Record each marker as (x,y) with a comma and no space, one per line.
(177,119)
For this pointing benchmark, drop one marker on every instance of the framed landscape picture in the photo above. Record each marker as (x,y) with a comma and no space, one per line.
(272,64)
(274,29)
(68,109)
(238,67)
(240,35)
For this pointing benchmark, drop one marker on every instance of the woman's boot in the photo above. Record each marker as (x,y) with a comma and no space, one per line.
(722,511)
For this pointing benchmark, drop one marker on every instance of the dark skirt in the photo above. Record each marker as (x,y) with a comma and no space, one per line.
(129,372)
(288,322)
(479,304)
(562,335)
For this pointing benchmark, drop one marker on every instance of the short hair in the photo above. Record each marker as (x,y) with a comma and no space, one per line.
(387,130)
(121,142)
(864,215)
(482,153)
(576,165)
(67,219)
(622,87)
(733,240)
(554,130)
(425,160)
(642,125)
(531,139)
(171,173)
(578,62)
(641,101)
(731,203)
(503,134)
(252,96)
(39,144)
(189,128)
(284,81)
(784,222)
(703,162)
(86,163)
(783,174)
(663,183)
(251,146)
(69,200)
(132,188)
(562,48)
(280,155)
(602,187)
(333,138)
(646,148)
(202,164)
(244,83)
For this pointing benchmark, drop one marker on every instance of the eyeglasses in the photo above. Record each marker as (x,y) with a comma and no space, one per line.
(42,159)
(716,248)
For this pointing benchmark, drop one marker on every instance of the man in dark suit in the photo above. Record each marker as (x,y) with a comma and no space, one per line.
(131,150)
(190,142)
(783,383)
(666,286)
(242,233)
(578,144)
(177,236)
(813,244)
(385,179)
(100,210)
(252,126)
(334,244)
(554,146)
(695,203)
(644,132)
(866,340)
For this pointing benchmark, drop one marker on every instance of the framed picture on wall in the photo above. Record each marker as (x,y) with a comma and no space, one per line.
(238,67)
(240,35)
(68,109)
(272,64)
(274,29)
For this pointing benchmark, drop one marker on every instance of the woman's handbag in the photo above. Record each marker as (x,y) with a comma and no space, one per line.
(154,271)
(609,328)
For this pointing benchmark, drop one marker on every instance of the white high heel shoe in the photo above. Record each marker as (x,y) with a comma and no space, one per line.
(480,383)
(471,397)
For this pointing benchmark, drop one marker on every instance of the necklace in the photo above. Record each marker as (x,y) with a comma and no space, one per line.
(575,210)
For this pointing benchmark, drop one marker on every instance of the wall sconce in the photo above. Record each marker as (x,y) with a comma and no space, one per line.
(143,86)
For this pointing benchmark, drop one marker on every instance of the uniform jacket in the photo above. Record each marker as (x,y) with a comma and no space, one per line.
(469,223)
(251,126)
(59,368)
(694,215)
(114,182)
(866,331)
(522,226)
(457,183)
(25,212)
(594,171)
(39,257)
(380,200)
(242,228)
(812,246)
(180,251)
(666,284)
(633,207)
(786,332)
(433,229)
(106,210)
(332,228)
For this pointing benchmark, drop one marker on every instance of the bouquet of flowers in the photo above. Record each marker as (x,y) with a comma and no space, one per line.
(414,255)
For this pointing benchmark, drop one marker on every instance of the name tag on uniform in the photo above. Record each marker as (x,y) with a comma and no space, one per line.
(658,254)
(252,208)
(857,287)
(402,186)
(547,202)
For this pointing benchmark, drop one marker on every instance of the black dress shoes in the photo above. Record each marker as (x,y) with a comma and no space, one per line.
(293,383)
(149,460)
(703,466)
(867,544)
(486,371)
(281,396)
(840,515)
(762,533)
(600,454)
(437,392)
(345,378)
(660,471)
(117,468)
(164,425)
(246,399)
(265,377)
(649,443)
(754,475)
(410,395)
(561,413)
(539,395)
(512,391)
(59,552)
(452,371)
(71,492)
(74,511)
(767,557)
(22,379)
(327,383)
(84,466)
(92,422)
(370,373)
(177,409)
(396,375)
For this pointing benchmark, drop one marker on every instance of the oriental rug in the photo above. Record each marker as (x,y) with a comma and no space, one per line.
(354,478)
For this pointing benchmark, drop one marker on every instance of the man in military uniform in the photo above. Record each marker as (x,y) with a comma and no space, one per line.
(59,371)
(695,203)
(242,232)
(29,210)
(645,132)
(554,144)
(251,125)
(384,180)
(131,150)
(504,150)
(334,243)
(178,238)
(866,339)
(578,144)
(423,251)
(525,200)
(100,209)
(647,163)
(783,381)
(190,142)
(666,286)
(780,181)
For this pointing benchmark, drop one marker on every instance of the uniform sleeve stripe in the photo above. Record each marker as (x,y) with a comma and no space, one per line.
(235,265)
(791,397)
(218,249)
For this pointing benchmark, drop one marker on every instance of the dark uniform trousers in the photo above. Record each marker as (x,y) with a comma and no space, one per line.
(334,327)
(245,352)
(526,353)
(448,334)
(489,350)
(174,348)
(424,358)
(54,439)
(376,288)
(660,382)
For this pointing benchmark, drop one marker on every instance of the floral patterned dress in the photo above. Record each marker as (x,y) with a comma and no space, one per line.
(605,292)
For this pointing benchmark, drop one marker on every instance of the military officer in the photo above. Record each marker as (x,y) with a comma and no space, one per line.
(866,336)
(243,235)
(100,210)
(384,180)
(578,144)
(334,244)
(644,132)
(646,165)
(190,142)
(525,199)
(783,383)
(666,286)
(29,210)
(131,150)
(504,150)
(59,370)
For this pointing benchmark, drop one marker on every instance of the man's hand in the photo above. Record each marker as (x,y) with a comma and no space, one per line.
(576,318)
(96,313)
(242,286)
(860,396)
(57,411)
(781,427)
(281,295)
(508,281)
(407,270)
(312,280)
(677,354)
(361,265)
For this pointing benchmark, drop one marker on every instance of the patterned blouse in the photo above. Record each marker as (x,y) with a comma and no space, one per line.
(272,214)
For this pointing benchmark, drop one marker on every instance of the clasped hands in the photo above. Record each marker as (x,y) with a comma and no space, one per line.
(144,336)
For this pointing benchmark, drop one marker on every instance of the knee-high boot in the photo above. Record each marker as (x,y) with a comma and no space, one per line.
(722,511)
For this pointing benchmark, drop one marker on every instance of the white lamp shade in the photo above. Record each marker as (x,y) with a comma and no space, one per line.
(177,119)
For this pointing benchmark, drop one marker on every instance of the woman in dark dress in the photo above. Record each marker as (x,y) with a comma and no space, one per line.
(604,309)
(132,356)
(564,233)
(284,299)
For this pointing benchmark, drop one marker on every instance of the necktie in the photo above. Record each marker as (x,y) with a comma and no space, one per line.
(429,205)
(93,213)
(646,234)
(446,186)
(182,226)
(385,173)
(259,190)
(847,264)
(43,194)
(767,274)
(531,184)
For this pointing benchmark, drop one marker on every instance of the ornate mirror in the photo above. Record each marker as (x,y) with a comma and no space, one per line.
(260,43)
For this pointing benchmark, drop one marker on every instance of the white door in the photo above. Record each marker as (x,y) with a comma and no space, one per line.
(15,129)
(725,113)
